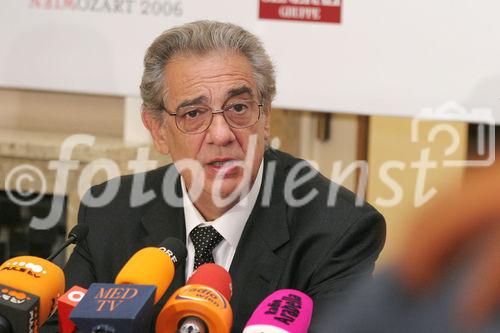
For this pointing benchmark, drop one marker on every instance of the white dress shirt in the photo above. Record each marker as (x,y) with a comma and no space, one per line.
(230,225)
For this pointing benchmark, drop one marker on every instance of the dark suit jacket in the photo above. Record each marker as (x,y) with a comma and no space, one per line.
(314,248)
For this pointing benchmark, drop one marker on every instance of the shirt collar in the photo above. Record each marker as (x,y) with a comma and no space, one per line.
(231,224)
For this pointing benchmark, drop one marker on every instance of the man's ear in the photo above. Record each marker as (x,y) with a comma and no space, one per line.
(154,123)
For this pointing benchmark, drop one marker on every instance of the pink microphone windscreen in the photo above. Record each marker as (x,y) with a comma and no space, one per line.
(285,310)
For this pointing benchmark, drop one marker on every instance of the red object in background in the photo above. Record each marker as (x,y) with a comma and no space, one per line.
(65,304)
(301,10)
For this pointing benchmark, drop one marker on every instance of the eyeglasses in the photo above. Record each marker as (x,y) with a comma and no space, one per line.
(195,119)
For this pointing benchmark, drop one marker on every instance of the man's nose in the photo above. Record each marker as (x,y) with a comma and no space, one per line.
(219,131)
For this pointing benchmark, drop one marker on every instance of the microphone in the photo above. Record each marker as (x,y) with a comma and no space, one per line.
(76,234)
(30,287)
(213,276)
(284,311)
(65,305)
(19,310)
(115,308)
(154,266)
(201,305)
(127,306)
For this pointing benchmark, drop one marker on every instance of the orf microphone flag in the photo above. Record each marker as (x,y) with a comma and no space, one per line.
(284,311)
(65,305)
(36,276)
(199,305)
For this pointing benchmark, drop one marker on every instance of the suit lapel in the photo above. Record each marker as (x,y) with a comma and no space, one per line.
(256,268)
(161,221)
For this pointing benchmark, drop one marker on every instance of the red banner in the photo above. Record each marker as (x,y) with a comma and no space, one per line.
(301,10)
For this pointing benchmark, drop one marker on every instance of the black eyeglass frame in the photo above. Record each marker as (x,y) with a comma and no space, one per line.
(217,111)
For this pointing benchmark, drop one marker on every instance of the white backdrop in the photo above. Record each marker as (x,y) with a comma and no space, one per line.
(387,57)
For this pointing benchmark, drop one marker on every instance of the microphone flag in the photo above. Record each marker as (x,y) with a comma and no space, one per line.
(65,305)
(20,309)
(122,308)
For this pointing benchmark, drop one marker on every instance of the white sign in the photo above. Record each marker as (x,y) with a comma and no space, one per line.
(386,57)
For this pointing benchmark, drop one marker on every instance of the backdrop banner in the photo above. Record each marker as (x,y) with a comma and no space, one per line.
(383,57)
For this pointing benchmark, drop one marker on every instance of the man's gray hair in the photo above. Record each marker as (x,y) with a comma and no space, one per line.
(201,37)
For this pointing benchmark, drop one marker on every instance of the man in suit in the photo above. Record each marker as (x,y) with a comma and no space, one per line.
(273,221)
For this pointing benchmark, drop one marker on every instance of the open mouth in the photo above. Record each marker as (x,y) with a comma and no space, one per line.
(226,167)
(223,163)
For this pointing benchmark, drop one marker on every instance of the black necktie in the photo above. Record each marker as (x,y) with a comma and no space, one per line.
(204,239)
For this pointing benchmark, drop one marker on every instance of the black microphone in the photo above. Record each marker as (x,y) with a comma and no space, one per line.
(76,234)
(5,326)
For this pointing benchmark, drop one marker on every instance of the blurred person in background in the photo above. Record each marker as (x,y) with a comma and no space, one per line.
(447,278)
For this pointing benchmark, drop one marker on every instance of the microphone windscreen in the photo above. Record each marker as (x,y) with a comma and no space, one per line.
(198,301)
(213,276)
(284,311)
(149,266)
(79,232)
(175,249)
(37,276)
